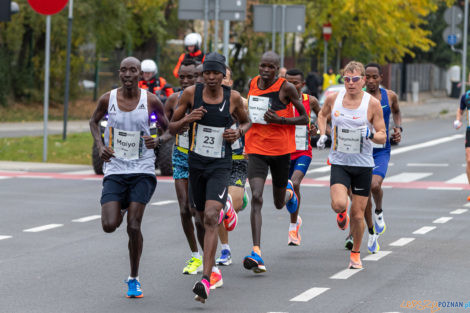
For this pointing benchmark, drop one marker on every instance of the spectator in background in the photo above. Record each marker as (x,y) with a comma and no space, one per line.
(314,83)
(339,77)
(282,72)
(329,78)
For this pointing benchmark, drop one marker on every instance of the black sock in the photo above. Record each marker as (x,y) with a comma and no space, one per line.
(378,211)
(205,277)
(371,230)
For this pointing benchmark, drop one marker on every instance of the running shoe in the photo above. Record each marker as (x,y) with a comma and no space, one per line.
(230,218)
(216,280)
(254,262)
(349,243)
(379,223)
(225,258)
(343,220)
(134,290)
(194,266)
(201,289)
(373,243)
(294,236)
(293,202)
(246,200)
(355,261)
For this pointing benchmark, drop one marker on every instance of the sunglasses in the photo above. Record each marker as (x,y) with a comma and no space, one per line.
(353,79)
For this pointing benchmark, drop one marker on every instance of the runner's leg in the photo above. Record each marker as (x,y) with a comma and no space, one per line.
(181,186)
(134,221)
(111,216)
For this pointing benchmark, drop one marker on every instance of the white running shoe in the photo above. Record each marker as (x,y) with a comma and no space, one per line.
(379,223)
(373,243)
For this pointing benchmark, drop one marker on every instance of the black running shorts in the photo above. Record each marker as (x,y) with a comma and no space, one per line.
(357,177)
(258,166)
(208,184)
(127,188)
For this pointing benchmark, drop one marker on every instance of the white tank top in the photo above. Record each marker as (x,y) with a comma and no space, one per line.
(124,134)
(348,146)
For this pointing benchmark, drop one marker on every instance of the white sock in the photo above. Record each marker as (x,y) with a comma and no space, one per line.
(292,226)
(196,255)
(215,269)
(131,278)
(225,246)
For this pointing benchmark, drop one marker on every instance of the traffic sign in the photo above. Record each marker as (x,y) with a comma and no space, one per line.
(232,10)
(327,31)
(452,36)
(48,7)
(453,15)
(263,18)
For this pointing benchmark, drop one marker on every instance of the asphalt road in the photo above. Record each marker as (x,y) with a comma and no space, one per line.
(76,267)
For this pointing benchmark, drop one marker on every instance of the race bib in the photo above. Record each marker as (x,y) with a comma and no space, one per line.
(127,145)
(257,106)
(348,140)
(182,140)
(301,137)
(209,141)
(238,143)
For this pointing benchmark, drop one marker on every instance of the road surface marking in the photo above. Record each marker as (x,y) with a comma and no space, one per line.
(426,144)
(165,202)
(444,188)
(93,178)
(423,230)
(402,242)
(4,237)
(82,172)
(406,177)
(467,205)
(461,179)
(309,294)
(322,169)
(35,176)
(442,220)
(86,218)
(458,211)
(345,274)
(323,178)
(4,177)
(428,164)
(377,256)
(42,228)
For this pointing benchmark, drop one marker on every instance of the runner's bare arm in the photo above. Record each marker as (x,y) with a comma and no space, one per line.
(314,105)
(170,105)
(101,108)
(377,121)
(241,115)
(396,114)
(325,113)
(156,106)
(293,96)
(180,120)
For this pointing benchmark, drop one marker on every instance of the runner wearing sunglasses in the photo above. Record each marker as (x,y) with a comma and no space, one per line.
(354,113)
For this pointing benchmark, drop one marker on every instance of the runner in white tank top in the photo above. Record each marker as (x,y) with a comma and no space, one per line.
(129,158)
(353,114)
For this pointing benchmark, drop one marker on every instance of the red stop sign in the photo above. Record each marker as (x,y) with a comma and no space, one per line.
(47,7)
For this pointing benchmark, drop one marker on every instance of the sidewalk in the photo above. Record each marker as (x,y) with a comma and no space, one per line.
(433,107)
(20,129)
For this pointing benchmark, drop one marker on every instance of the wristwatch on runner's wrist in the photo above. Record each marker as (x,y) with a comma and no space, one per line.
(401,128)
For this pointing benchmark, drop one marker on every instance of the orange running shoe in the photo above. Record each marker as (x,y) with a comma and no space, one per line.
(355,261)
(343,220)
(294,236)
(230,218)
(216,280)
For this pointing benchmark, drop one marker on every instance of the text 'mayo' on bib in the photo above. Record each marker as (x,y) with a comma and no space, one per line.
(348,140)
(257,107)
(127,145)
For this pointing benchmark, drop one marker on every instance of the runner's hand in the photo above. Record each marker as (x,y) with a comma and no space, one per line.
(271,117)
(231,135)
(457,124)
(106,153)
(321,142)
(312,131)
(195,115)
(396,134)
(150,142)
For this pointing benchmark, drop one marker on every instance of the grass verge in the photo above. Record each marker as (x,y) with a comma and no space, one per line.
(75,150)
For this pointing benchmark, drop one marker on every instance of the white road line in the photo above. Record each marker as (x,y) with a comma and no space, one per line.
(86,219)
(423,230)
(5,177)
(377,256)
(426,144)
(401,242)
(165,202)
(35,176)
(406,177)
(309,294)
(444,188)
(4,237)
(345,274)
(93,178)
(428,164)
(461,179)
(458,211)
(42,228)
(467,205)
(324,178)
(322,169)
(442,220)
(82,172)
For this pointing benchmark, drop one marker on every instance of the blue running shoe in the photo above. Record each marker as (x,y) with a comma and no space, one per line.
(225,258)
(293,203)
(134,289)
(254,262)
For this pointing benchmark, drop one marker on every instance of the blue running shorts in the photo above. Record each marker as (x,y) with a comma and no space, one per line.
(381,159)
(180,164)
(300,164)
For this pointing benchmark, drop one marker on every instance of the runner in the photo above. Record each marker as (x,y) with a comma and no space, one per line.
(381,154)
(465,105)
(353,114)
(187,77)
(129,168)
(269,144)
(211,108)
(237,181)
(199,78)
(301,158)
